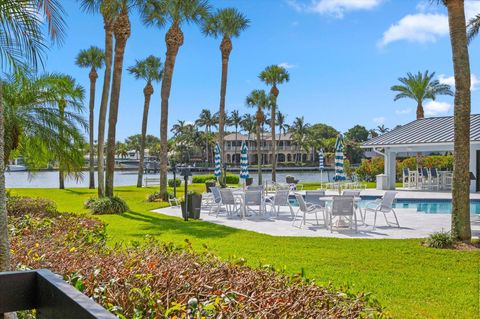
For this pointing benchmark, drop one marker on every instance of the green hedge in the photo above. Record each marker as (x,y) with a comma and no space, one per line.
(174,182)
(201,179)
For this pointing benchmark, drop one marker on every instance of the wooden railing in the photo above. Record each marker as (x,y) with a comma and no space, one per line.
(46,292)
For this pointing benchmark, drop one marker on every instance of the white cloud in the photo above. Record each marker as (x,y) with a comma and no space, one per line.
(436,107)
(424,27)
(379,120)
(336,8)
(420,27)
(286,65)
(407,110)
(450,80)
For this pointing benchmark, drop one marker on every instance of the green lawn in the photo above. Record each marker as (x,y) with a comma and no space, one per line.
(411,281)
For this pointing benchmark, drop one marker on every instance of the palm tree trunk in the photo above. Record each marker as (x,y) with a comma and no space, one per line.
(93,78)
(274,91)
(174,40)
(225,48)
(61,173)
(461,149)
(103,107)
(147,92)
(236,142)
(420,112)
(4,242)
(206,145)
(259,151)
(121,32)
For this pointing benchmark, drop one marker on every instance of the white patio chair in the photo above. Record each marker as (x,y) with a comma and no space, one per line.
(228,200)
(216,202)
(306,208)
(434,179)
(343,207)
(383,205)
(254,199)
(280,199)
(313,197)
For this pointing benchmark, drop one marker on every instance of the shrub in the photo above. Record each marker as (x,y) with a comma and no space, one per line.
(201,179)
(368,169)
(439,240)
(174,182)
(161,280)
(108,205)
(19,206)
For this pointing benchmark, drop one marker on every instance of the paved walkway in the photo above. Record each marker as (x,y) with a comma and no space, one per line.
(413,224)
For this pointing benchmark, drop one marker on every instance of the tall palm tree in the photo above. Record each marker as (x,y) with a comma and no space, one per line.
(65,93)
(207,120)
(175,12)
(227,23)
(420,87)
(22,44)
(234,120)
(248,124)
(272,76)
(300,132)
(461,177)
(92,58)
(258,99)
(121,32)
(109,11)
(149,70)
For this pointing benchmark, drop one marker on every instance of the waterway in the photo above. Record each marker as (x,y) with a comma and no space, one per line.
(49,179)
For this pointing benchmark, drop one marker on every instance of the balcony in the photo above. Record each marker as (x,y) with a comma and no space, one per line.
(44,291)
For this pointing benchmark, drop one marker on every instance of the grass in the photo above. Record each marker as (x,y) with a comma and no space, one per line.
(410,280)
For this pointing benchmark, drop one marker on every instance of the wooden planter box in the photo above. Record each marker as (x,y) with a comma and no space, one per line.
(46,292)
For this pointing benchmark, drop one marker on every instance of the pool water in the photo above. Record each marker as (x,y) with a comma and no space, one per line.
(427,206)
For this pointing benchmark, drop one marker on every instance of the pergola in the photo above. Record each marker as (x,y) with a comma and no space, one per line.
(433,134)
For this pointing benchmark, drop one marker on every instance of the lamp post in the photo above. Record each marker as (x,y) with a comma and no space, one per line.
(186,172)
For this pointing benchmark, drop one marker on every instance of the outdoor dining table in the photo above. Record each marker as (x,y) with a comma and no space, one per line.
(328,204)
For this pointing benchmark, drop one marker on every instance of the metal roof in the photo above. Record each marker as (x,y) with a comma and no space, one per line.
(431,130)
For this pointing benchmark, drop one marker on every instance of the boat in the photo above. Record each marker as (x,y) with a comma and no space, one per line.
(16,168)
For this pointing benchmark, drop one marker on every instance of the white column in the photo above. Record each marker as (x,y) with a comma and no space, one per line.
(473,168)
(390,167)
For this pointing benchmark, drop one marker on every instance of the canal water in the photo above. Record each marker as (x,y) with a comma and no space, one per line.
(49,179)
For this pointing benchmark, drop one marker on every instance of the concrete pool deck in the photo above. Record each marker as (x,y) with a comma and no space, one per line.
(413,224)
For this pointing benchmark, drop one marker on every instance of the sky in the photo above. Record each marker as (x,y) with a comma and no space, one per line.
(342,55)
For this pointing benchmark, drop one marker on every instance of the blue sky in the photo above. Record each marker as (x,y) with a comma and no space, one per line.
(342,55)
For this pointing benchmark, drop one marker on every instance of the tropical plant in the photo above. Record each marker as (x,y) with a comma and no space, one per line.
(121,149)
(175,12)
(274,75)
(92,58)
(207,120)
(150,70)
(300,132)
(420,87)
(65,93)
(248,124)
(22,45)
(382,129)
(282,125)
(461,228)
(109,11)
(258,99)
(226,23)
(235,119)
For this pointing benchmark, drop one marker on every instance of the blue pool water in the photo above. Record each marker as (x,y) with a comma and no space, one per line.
(427,206)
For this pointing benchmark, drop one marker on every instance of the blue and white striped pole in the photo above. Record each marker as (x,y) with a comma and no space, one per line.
(218,162)
(321,164)
(339,173)
(244,163)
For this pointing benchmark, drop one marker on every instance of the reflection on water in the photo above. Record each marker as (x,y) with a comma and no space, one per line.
(127,178)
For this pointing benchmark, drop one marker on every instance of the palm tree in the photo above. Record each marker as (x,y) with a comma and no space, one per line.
(121,32)
(109,12)
(234,120)
(22,45)
(282,126)
(420,87)
(178,128)
(176,12)
(382,129)
(258,99)
(149,70)
(207,120)
(248,124)
(65,93)
(225,23)
(461,177)
(300,132)
(92,58)
(274,75)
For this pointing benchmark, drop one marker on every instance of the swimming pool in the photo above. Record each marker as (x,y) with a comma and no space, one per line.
(427,206)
